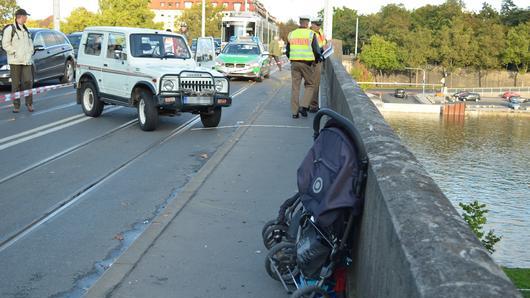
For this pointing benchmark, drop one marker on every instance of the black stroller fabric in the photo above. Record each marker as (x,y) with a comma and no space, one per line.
(311,252)
(326,176)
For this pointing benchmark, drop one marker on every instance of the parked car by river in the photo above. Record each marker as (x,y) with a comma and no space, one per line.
(400,93)
(53,58)
(506,95)
(466,96)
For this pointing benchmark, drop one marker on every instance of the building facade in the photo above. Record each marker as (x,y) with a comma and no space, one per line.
(241,17)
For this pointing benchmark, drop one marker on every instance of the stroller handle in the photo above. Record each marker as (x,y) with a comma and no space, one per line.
(344,123)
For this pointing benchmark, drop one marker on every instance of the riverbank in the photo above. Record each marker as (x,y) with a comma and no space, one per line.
(521,278)
(415,104)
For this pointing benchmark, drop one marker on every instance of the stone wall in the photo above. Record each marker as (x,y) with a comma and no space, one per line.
(410,240)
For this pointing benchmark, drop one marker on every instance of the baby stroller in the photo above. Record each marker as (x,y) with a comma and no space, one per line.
(309,242)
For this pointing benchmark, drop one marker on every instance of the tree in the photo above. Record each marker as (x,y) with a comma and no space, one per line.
(285,28)
(344,27)
(517,51)
(489,38)
(381,55)
(79,19)
(128,13)
(193,18)
(7,11)
(394,22)
(456,45)
(45,23)
(512,15)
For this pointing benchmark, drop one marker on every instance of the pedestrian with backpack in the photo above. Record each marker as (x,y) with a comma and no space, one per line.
(17,43)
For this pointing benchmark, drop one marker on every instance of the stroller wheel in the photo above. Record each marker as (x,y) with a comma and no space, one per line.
(274,235)
(267,225)
(312,291)
(281,262)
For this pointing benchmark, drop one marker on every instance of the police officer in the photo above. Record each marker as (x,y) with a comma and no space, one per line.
(303,52)
(322,42)
(18,45)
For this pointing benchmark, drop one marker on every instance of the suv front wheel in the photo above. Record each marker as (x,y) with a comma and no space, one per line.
(147,111)
(92,106)
(211,119)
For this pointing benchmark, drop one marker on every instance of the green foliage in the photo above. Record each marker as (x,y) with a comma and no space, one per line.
(512,15)
(7,11)
(344,27)
(361,74)
(287,27)
(127,13)
(517,52)
(79,19)
(521,279)
(475,216)
(381,55)
(193,18)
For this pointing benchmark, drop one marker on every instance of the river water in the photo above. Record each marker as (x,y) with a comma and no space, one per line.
(484,158)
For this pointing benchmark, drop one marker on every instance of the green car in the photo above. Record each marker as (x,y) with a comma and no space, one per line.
(245,60)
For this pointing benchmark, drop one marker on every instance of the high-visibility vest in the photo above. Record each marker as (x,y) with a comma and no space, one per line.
(321,39)
(300,45)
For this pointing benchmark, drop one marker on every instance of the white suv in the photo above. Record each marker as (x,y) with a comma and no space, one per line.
(147,69)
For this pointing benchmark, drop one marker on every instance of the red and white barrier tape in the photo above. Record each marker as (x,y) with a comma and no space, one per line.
(17,95)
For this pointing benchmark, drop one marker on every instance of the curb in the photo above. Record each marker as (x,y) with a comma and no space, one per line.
(34,91)
(120,269)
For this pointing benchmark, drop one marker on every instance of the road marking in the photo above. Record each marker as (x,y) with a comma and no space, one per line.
(66,152)
(61,206)
(43,130)
(247,125)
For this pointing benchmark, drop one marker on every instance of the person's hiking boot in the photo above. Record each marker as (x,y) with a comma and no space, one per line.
(303,112)
(30,108)
(296,116)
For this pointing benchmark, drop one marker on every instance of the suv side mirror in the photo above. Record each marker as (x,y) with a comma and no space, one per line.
(38,48)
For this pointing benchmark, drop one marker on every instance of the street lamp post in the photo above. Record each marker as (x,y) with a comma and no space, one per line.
(328,19)
(56,15)
(203,26)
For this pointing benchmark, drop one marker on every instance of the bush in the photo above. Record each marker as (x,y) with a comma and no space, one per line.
(475,216)
(361,74)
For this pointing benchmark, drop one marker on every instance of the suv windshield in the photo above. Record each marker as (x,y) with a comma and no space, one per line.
(241,49)
(159,46)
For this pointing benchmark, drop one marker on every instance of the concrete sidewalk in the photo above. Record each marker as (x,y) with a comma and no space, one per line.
(208,243)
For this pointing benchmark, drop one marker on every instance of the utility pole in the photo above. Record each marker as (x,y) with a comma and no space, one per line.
(203,26)
(356,35)
(56,15)
(328,19)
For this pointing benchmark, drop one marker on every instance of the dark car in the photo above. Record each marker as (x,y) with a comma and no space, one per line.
(75,40)
(400,93)
(53,58)
(466,96)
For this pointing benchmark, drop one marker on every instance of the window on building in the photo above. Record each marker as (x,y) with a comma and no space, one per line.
(237,6)
(177,4)
(169,4)
(188,4)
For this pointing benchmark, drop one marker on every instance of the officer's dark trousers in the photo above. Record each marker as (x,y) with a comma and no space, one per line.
(21,79)
(316,75)
(301,70)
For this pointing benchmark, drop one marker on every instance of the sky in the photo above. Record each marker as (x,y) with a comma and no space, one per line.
(281,9)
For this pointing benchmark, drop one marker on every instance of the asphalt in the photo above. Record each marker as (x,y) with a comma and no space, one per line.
(207,242)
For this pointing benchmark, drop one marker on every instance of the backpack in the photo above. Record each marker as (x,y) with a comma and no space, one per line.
(13,31)
(328,175)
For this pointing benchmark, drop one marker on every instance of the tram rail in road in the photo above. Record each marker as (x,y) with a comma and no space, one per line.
(80,193)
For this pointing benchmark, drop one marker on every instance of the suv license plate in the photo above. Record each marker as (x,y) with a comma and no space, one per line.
(198,100)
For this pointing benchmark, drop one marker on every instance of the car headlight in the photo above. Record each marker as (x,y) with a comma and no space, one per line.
(5,67)
(221,85)
(169,85)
